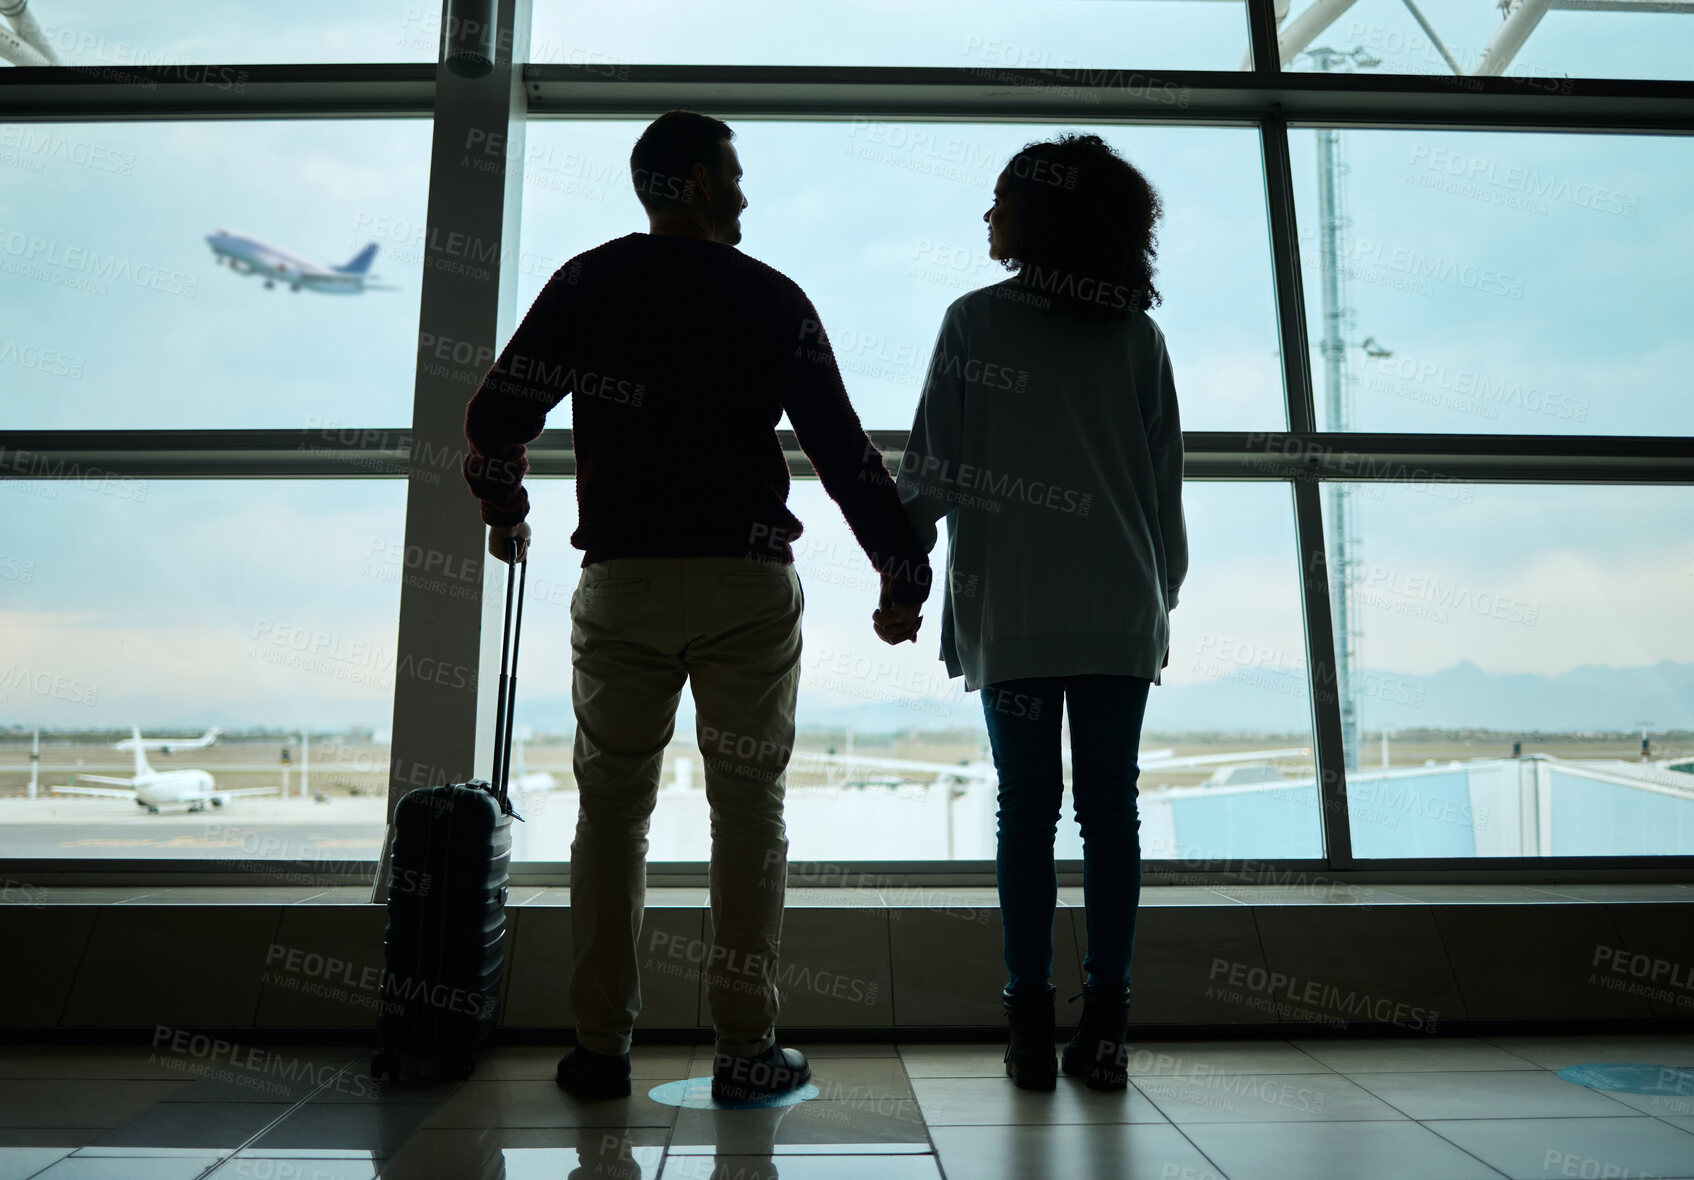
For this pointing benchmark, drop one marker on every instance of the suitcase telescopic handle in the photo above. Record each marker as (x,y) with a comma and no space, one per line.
(506,703)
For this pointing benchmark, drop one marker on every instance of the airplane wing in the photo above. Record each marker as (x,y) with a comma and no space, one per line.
(255,767)
(247,791)
(1214,759)
(885,763)
(97,792)
(378,287)
(101,778)
(1149,760)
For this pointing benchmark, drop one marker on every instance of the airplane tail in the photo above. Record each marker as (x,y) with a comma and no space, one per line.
(141,767)
(361,263)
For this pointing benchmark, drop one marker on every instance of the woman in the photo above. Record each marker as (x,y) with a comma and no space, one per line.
(1048,437)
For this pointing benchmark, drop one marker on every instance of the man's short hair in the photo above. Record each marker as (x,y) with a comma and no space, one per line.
(662,164)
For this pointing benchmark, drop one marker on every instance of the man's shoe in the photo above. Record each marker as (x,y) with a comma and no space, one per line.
(1029,1058)
(1098,1053)
(775,1071)
(587,1074)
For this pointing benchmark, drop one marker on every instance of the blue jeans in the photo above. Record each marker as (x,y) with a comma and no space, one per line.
(1023,729)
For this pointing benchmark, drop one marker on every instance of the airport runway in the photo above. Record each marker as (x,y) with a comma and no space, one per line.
(824,825)
(168,840)
(260,829)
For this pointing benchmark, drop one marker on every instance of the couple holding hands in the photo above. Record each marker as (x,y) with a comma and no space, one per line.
(1047,435)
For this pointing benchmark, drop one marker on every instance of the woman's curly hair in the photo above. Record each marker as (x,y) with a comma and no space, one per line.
(1083,227)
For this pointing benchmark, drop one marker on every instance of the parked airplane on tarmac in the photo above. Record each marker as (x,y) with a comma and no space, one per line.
(250,256)
(154,789)
(170,745)
(983,769)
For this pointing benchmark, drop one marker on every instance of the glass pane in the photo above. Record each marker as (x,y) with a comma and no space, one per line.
(1520,670)
(267,609)
(159,275)
(108,40)
(881,225)
(1235,697)
(1477,282)
(895,702)
(1571,38)
(1079,38)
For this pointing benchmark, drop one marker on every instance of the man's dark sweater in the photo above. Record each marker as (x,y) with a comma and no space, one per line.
(683,355)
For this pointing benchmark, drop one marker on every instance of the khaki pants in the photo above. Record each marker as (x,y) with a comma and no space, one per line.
(640,627)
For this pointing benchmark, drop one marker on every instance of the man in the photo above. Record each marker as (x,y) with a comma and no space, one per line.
(683,354)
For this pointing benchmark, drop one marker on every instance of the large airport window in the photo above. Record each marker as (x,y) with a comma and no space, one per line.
(1546,44)
(1083,42)
(891,759)
(211,275)
(244,629)
(1518,669)
(1497,283)
(203,669)
(107,42)
(881,224)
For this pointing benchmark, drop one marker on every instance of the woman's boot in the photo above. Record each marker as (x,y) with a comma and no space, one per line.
(1029,1058)
(1098,1053)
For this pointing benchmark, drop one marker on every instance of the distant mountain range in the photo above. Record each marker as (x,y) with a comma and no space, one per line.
(1591,697)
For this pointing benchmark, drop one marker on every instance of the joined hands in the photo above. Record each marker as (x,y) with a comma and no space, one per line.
(895,622)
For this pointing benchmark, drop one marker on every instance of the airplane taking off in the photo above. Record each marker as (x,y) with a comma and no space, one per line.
(249,256)
(154,789)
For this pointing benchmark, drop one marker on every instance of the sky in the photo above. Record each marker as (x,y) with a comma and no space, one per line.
(1521,283)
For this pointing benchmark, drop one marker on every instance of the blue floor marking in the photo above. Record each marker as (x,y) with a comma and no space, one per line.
(1631,1078)
(696,1094)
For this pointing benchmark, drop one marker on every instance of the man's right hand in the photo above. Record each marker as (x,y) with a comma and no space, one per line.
(500,538)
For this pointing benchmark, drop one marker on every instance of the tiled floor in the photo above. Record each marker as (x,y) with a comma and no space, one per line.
(1436,1109)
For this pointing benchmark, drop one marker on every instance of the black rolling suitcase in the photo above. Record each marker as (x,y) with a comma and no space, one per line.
(445,947)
